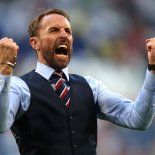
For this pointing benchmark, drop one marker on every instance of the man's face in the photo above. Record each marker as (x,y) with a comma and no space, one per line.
(54,41)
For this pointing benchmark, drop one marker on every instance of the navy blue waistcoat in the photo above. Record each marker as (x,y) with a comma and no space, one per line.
(48,127)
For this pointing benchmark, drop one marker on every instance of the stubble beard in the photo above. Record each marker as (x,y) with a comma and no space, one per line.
(51,62)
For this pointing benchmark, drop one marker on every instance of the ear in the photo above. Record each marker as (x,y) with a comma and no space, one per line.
(34,42)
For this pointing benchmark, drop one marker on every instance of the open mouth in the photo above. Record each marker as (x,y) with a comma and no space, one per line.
(61,50)
(61,53)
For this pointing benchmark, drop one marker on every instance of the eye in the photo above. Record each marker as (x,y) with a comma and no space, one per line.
(69,31)
(53,30)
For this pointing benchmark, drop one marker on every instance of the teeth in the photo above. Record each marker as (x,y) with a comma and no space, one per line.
(62,46)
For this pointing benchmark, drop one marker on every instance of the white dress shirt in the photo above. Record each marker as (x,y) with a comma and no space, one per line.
(15,100)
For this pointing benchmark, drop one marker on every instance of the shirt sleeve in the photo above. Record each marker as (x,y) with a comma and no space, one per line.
(122,111)
(4,91)
(14,100)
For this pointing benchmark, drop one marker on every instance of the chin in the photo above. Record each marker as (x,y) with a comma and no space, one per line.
(59,66)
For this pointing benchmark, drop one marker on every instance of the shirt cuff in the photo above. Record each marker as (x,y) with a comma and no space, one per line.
(149,82)
(4,83)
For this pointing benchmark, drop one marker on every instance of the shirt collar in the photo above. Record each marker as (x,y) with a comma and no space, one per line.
(47,71)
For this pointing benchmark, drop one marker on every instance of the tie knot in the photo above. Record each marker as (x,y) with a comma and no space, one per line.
(57,74)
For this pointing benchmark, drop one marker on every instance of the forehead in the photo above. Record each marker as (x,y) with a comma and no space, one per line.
(54,19)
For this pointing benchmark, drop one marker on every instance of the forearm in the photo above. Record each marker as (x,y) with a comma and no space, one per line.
(139,114)
(145,102)
(4,101)
(124,112)
(4,109)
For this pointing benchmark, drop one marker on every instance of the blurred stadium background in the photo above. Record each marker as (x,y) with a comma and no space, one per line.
(109,44)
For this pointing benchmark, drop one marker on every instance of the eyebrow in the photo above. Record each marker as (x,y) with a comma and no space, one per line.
(57,27)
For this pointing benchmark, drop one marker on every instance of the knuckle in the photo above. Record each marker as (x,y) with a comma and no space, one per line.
(8,45)
(15,48)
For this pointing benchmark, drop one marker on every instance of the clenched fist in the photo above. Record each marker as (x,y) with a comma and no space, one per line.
(150,46)
(8,54)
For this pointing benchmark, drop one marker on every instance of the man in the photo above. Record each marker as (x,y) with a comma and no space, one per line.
(49,121)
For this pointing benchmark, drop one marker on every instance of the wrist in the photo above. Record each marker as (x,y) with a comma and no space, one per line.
(151,68)
(6,69)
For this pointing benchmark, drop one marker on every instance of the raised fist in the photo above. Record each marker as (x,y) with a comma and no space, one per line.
(8,53)
(150,46)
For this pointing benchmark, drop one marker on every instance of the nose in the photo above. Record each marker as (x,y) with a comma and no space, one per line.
(63,34)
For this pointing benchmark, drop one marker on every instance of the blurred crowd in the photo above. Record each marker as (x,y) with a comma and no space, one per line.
(109,44)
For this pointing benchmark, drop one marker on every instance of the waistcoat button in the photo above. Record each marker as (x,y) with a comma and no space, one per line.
(71,118)
(73,131)
(75,146)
